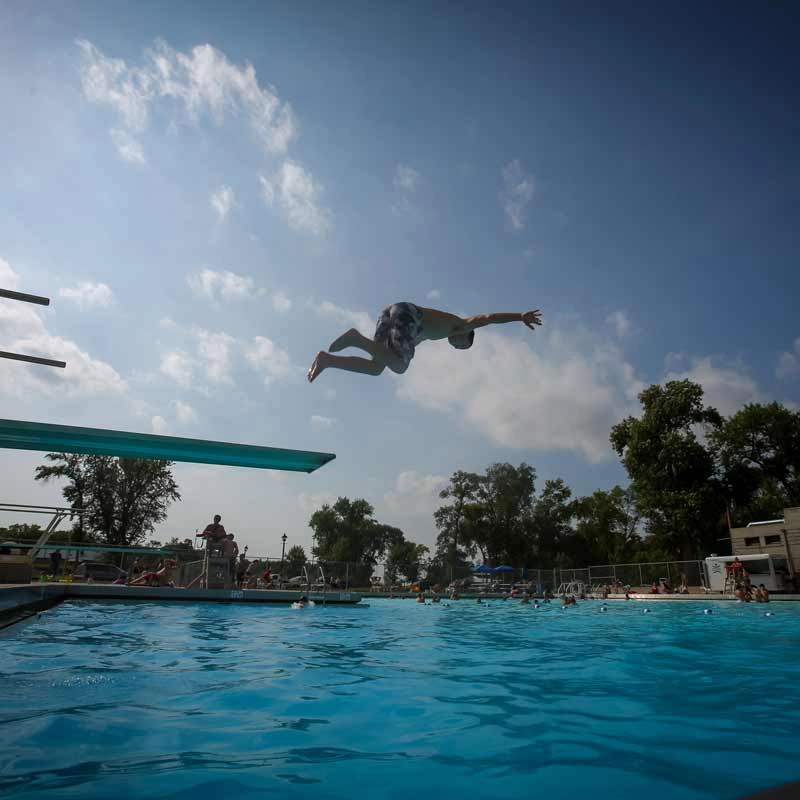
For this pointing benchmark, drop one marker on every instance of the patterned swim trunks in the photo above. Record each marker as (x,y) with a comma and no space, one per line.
(399,327)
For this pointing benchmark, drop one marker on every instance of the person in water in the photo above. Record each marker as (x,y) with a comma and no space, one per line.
(401,327)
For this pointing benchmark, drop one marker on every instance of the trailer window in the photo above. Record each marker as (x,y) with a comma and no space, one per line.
(751,541)
(759,566)
(775,539)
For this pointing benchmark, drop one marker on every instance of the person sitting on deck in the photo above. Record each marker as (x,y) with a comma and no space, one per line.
(762,593)
(654,588)
(163,577)
(735,568)
(266,577)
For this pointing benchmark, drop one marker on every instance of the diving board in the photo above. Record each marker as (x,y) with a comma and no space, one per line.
(44,436)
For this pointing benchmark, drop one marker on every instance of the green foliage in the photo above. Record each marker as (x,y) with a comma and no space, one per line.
(348,531)
(606,527)
(758,455)
(404,561)
(124,498)
(295,560)
(457,523)
(550,525)
(672,471)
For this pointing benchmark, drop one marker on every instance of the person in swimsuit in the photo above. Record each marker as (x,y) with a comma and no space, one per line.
(401,327)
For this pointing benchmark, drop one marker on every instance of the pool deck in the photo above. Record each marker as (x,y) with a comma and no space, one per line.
(20,601)
(678,598)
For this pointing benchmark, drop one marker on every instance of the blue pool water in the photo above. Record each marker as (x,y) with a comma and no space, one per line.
(400,700)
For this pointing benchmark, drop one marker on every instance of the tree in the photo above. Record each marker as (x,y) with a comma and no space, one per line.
(125,498)
(295,560)
(758,456)
(505,499)
(348,531)
(550,523)
(672,472)
(72,469)
(404,559)
(606,527)
(456,524)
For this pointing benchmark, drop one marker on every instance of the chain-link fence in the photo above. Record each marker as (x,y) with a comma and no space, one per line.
(671,574)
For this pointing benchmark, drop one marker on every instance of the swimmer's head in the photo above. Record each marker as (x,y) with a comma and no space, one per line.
(462,341)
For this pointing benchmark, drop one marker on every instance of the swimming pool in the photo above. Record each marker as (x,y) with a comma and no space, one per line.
(400,700)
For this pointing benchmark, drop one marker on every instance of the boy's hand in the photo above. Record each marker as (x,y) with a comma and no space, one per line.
(532,318)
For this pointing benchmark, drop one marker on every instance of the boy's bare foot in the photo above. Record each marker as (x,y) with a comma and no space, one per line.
(320,362)
(347,339)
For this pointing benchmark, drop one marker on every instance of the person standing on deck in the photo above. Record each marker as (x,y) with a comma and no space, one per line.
(230,549)
(401,327)
(55,562)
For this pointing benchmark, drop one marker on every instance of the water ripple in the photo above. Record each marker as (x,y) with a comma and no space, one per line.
(160,701)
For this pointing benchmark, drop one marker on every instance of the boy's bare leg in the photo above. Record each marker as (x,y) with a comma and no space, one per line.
(325,360)
(380,352)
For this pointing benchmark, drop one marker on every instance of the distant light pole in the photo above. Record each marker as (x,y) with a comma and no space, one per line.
(283,548)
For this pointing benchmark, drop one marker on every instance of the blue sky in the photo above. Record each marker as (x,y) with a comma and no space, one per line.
(210,194)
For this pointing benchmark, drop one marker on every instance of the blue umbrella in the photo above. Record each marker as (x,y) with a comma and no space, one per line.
(483,568)
(504,569)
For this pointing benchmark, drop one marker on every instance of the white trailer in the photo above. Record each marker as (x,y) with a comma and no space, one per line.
(761,567)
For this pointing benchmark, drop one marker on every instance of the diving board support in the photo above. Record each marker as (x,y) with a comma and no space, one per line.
(46,437)
(41,301)
(59,514)
(47,362)
(25,298)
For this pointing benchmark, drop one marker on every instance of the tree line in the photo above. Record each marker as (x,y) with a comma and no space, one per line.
(692,473)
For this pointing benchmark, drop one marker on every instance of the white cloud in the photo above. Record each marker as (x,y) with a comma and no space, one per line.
(184,412)
(727,387)
(88,295)
(789,362)
(415,492)
(23,330)
(353,319)
(322,422)
(8,278)
(557,391)
(201,82)
(264,356)
(222,201)
(178,367)
(209,283)
(309,502)
(129,148)
(267,190)
(517,193)
(281,303)
(433,294)
(159,425)
(620,322)
(214,351)
(406,178)
(299,196)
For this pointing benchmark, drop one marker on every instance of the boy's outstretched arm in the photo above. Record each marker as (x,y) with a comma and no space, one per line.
(529,318)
